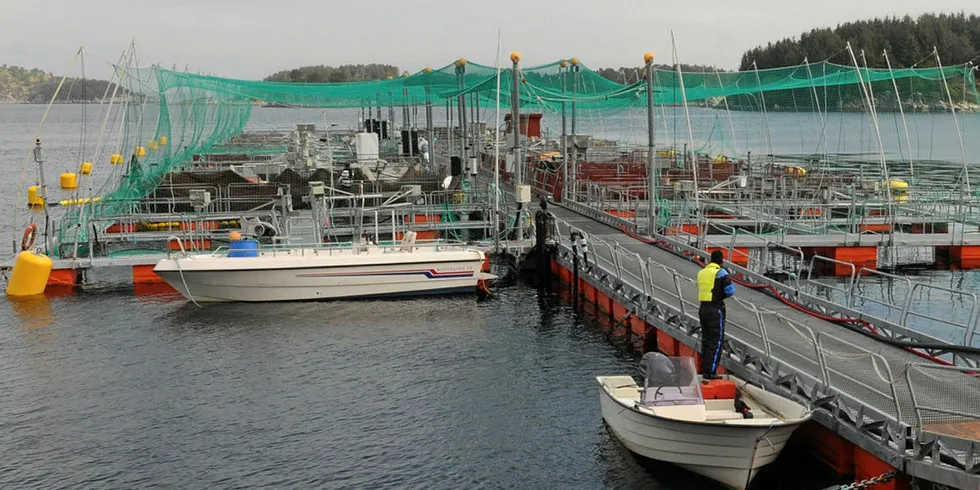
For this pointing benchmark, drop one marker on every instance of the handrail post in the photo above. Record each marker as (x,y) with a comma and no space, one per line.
(680,298)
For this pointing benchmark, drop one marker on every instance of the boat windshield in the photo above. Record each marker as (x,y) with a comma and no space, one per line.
(669,381)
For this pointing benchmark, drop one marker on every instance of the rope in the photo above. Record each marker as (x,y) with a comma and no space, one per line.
(190,296)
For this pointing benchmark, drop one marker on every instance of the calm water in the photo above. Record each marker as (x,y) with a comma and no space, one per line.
(108,389)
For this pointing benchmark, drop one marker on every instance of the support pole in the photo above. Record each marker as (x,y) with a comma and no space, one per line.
(391,115)
(379,115)
(429,129)
(573,170)
(653,173)
(407,117)
(956,122)
(563,74)
(515,121)
(901,110)
(515,118)
(461,106)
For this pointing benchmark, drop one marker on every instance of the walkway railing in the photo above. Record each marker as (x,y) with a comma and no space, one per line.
(798,274)
(853,388)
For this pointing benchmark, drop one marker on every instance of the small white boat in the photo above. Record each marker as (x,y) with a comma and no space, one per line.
(295,274)
(669,419)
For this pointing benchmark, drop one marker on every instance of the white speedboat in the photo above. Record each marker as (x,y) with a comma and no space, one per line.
(295,274)
(676,418)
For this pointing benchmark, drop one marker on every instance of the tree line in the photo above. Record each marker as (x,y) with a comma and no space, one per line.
(333,74)
(24,85)
(909,42)
(627,75)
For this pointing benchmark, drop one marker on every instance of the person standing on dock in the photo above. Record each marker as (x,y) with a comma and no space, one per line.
(714,286)
(424,147)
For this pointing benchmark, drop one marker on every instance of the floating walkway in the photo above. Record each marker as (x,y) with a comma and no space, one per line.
(890,406)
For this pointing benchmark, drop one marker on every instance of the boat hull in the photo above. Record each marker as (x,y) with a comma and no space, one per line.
(240,280)
(729,455)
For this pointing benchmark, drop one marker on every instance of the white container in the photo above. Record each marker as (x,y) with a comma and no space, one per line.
(367,147)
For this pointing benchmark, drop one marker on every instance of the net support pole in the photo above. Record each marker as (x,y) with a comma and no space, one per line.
(956,122)
(573,170)
(461,107)
(430,131)
(563,74)
(901,110)
(407,116)
(652,172)
(379,115)
(690,134)
(515,122)
(391,115)
(515,125)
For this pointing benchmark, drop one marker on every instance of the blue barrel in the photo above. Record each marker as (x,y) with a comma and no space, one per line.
(244,248)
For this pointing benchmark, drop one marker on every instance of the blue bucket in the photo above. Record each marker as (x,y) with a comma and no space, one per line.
(244,248)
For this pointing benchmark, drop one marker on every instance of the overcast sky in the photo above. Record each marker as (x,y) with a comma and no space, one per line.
(253,38)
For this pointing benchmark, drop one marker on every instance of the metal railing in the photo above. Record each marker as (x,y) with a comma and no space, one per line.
(968,327)
(855,385)
(801,278)
(931,398)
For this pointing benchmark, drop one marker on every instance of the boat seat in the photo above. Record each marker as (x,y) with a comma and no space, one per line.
(632,394)
(719,405)
(765,421)
(712,415)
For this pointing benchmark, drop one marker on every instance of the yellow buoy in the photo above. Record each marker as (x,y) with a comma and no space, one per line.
(33,199)
(30,274)
(234,236)
(163,141)
(85,168)
(140,151)
(116,159)
(796,171)
(898,185)
(152,145)
(69,181)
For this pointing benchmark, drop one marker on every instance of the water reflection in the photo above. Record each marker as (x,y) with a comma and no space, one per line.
(32,312)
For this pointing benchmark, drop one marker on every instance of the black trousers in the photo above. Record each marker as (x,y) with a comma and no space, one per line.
(712,318)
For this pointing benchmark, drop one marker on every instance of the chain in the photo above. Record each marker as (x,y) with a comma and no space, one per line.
(870,482)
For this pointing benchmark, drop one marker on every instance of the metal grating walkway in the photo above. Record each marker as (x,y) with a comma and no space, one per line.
(892,393)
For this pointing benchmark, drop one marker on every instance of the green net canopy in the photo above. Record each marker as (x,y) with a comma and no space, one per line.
(178,115)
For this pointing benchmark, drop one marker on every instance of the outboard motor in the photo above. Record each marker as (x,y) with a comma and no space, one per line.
(658,370)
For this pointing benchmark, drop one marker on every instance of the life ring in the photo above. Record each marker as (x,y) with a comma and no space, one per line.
(29,234)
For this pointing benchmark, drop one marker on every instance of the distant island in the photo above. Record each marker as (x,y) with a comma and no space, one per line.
(32,86)
(627,74)
(334,74)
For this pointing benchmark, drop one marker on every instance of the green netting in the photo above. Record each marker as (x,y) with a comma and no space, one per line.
(177,115)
